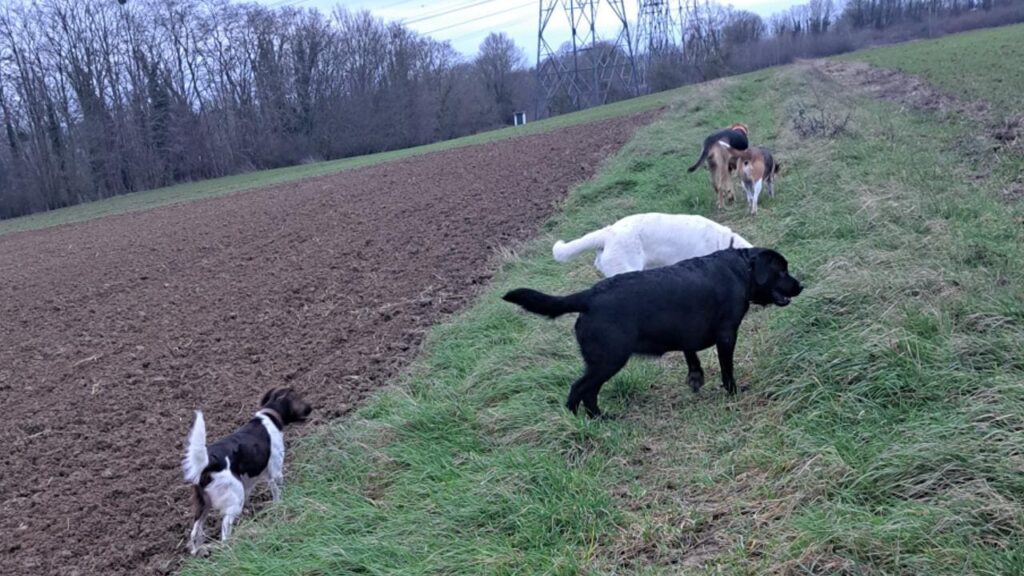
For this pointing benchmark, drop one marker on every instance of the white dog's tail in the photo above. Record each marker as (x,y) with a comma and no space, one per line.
(564,251)
(196,459)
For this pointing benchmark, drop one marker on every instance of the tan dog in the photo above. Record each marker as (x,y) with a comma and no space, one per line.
(757,167)
(719,150)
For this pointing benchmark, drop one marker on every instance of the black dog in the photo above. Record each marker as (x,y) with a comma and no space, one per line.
(687,306)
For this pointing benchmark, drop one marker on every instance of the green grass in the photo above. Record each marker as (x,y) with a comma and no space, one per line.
(983,64)
(252,180)
(883,433)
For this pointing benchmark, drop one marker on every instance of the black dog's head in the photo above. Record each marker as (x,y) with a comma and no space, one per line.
(770,280)
(287,403)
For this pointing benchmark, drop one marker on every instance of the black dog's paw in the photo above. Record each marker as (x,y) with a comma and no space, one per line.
(745,388)
(696,382)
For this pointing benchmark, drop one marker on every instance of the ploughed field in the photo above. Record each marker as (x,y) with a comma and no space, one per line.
(115,330)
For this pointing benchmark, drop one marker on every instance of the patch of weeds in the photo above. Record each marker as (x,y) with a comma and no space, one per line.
(1010,133)
(817,118)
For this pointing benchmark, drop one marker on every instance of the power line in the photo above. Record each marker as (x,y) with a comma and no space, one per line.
(399,3)
(447,11)
(285,3)
(478,18)
(474,32)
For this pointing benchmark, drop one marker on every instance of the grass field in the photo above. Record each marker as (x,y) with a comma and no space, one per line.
(883,433)
(984,64)
(230,184)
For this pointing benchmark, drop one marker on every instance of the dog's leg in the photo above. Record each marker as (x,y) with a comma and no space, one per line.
(234,501)
(726,345)
(590,401)
(770,185)
(696,373)
(275,488)
(201,508)
(586,389)
(713,170)
(723,188)
(757,193)
(198,536)
(719,204)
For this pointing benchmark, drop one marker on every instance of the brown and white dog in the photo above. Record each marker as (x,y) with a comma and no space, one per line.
(224,473)
(719,150)
(757,168)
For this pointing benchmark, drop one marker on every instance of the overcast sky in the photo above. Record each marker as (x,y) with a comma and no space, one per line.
(466,22)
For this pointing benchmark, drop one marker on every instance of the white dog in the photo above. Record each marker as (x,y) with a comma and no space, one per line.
(643,241)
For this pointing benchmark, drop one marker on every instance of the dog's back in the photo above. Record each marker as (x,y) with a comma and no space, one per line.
(735,137)
(670,238)
(642,241)
(246,451)
(757,168)
(758,163)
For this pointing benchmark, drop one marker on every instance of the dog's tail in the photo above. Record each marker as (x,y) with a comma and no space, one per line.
(547,305)
(196,458)
(564,251)
(703,157)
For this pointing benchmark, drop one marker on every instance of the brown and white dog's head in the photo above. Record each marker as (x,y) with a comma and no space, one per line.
(287,403)
(740,128)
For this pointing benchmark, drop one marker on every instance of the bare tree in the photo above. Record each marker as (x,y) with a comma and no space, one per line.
(499,60)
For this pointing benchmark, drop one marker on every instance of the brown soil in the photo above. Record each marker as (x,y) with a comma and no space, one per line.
(115,330)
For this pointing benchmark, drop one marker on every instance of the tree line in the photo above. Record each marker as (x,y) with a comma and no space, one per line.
(100,98)
(716,40)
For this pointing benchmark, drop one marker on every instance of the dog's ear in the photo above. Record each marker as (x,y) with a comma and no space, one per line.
(269,396)
(764,265)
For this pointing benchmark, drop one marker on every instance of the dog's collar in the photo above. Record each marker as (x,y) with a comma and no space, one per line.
(274,417)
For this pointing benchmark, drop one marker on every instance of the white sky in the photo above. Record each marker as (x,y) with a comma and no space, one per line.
(467,22)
